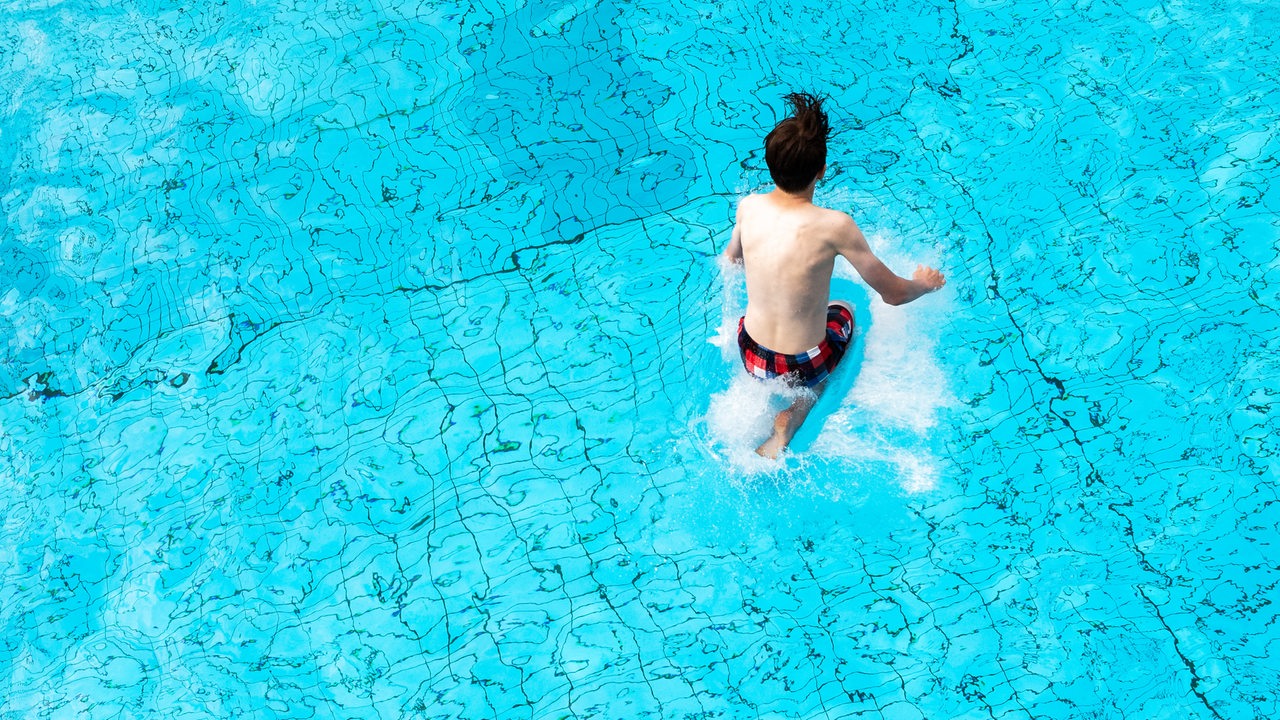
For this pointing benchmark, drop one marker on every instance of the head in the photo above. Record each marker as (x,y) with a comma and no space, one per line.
(796,149)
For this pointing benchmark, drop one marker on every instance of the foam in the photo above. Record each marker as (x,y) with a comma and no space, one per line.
(901,380)
(741,417)
(733,303)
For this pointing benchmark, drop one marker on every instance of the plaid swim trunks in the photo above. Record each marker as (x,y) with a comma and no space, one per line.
(807,368)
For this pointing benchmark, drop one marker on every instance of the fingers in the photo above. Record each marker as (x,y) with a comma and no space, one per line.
(929,276)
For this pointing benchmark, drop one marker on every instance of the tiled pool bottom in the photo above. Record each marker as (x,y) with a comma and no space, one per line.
(308,535)
(315,406)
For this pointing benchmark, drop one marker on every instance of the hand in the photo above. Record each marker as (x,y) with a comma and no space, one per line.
(929,278)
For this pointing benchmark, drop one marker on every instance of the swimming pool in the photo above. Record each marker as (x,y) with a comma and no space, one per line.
(366,362)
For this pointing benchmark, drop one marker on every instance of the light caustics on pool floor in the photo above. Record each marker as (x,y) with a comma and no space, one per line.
(356,364)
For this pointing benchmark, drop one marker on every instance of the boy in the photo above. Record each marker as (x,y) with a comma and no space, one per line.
(788,246)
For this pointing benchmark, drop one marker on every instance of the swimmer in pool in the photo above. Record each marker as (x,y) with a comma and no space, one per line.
(787,246)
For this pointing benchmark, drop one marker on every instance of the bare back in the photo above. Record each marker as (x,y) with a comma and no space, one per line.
(788,248)
(788,255)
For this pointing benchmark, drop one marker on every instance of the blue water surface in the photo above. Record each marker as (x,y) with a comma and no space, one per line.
(371,360)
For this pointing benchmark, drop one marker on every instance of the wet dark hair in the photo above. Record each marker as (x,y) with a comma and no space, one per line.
(796,149)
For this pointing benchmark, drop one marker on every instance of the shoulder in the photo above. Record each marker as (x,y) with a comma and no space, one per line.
(837,222)
(841,229)
(745,206)
(836,218)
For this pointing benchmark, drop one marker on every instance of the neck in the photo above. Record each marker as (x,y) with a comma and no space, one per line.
(805,195)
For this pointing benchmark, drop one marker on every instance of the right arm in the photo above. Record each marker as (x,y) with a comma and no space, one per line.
(895,290)
(733,252)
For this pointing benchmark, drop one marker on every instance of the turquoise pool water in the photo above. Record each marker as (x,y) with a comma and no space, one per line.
(368,362)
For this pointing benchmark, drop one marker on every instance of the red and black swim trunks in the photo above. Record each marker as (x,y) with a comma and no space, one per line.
(807,368)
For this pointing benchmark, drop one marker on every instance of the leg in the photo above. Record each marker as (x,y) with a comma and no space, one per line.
(788,422)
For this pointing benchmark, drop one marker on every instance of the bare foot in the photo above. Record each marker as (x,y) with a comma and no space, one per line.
(782,434)
(788,422)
